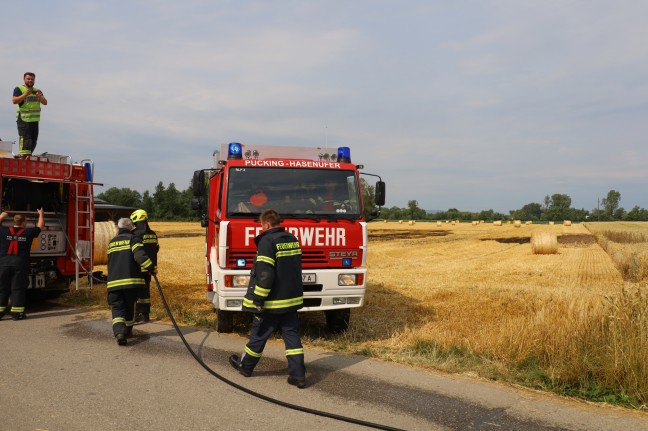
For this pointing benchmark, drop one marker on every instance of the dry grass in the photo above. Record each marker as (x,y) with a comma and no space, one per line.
(626,243)
(471,298)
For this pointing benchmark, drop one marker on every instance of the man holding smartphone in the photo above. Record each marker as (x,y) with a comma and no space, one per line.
(28,100)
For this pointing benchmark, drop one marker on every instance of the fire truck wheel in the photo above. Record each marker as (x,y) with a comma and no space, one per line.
(224,321)
(337,321)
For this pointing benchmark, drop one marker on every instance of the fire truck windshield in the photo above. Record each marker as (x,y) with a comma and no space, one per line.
(293,192)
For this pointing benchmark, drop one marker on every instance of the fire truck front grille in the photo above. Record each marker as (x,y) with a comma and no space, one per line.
(313,257)
(235,256)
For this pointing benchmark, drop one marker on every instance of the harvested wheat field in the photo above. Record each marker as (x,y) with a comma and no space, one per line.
(471,298)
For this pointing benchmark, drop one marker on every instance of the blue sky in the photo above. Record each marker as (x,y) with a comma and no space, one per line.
(464,104)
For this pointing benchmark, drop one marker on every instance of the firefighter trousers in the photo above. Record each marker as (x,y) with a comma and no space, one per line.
(14,279)
(263,325)
(28,133)
(122,303)
(144,296)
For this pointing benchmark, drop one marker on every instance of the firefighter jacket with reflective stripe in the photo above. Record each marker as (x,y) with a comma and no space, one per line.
(275,281)
(126,259)
(149,239)
(17,241)
(29,111)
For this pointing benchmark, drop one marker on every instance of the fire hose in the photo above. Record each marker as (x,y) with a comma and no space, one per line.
(256,394)
(243,388)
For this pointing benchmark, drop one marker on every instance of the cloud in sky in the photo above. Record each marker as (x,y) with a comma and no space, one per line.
(468,105)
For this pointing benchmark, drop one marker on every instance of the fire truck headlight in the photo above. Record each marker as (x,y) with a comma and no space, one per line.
(240,280)
(237,280)
(353,300)
(339,301)
(347,279)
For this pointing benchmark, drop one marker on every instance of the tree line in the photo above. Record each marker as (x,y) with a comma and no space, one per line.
(556,207)
(165,203)
(169,203)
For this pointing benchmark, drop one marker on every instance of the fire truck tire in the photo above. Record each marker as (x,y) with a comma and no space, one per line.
(337,321)
(224,321)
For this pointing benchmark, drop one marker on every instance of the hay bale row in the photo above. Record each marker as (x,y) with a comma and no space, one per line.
(104,232)
(544,243)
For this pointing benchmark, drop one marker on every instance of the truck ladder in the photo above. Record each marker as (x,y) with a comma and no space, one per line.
(83,232)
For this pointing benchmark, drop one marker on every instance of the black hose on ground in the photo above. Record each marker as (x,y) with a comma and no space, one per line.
(256,394)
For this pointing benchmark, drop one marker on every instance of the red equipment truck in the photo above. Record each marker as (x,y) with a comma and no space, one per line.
(63,251)
(317,192)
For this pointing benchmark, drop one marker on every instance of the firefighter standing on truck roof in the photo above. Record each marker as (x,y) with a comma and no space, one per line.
(28,100)
(126,259)
(151,247)
(15,248)
(274,295)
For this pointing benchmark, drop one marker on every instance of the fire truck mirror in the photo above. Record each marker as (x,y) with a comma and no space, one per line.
(380,193)
(197,204)
(198,183)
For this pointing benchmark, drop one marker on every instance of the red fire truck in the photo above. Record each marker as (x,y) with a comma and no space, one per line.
(62,253)
(317,192)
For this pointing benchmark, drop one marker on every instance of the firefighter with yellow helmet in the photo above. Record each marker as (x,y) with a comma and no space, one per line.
(151,247)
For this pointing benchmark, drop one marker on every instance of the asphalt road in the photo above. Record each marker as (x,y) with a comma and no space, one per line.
(61,369)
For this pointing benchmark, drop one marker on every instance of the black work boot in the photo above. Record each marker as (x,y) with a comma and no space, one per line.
(235,362)
(300,383)
(18,316)
(121,339)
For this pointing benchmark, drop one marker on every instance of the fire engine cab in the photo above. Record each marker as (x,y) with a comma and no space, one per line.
(318,194)
(63,251)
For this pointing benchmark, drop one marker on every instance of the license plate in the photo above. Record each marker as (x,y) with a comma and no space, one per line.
(309,278)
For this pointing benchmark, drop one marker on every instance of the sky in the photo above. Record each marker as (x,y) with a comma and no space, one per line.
(464,104)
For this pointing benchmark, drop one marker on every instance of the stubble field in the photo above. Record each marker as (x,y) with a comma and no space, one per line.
(468,298)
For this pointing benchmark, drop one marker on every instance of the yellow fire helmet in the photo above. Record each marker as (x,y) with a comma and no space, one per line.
(138,215)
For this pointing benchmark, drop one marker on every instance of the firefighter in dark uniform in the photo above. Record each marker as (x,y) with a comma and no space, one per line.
(274,295)
(126,259)
(151,247)
(15,247)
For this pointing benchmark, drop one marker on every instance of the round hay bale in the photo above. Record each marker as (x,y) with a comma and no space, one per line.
(452,223)
(475,223)
(400,221)
(567,223)
(544,243)
(497,223)
(529,222)
(551,223)
(517,223)
(411,223)
(438,223)
(103,232)
(384,221)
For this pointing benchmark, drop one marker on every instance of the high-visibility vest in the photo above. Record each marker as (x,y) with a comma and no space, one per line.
(30,109)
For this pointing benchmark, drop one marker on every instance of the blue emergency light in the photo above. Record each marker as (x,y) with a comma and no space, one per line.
(344,154)
(234,151)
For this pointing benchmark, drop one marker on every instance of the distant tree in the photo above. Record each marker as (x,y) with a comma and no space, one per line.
(530,211)
(488,215)
(414,212)
(637,214)
(393,213)
(560,208)
(611,203)
(122,196)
